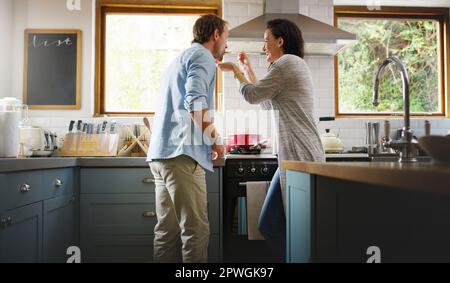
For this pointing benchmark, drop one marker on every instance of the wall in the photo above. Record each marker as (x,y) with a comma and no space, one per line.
(53,14)
(6,12)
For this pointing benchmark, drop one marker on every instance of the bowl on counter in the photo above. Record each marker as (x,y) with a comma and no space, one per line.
(42,153)
(437,147)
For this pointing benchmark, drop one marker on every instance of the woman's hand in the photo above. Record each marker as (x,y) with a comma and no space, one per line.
(244,61)
(231,67)
(228,67)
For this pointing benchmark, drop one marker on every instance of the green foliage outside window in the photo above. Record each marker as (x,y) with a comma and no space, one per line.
(415,42)
(138,51)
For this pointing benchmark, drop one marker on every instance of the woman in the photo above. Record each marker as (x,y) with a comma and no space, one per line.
(287,88)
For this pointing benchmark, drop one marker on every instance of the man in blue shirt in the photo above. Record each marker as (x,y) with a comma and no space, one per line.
(183,143)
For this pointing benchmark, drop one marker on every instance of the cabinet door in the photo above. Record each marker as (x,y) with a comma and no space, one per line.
(117,249)
(298,217)
(214,254)
(21,238)
(214,213)
(213,181)
(60,227)
(117,227)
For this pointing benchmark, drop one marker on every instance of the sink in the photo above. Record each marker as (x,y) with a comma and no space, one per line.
(438,147)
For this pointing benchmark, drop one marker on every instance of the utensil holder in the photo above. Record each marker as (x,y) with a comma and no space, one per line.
(135,142)
(95,145)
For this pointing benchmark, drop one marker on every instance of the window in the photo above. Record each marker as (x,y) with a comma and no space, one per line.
(135,45)
(416,36)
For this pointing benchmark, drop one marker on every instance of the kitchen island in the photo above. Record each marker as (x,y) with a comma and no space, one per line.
(367,211)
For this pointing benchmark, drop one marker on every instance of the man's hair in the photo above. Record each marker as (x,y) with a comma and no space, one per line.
(291,34)
(205,26)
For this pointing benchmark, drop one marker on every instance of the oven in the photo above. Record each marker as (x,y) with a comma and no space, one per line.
(238,170)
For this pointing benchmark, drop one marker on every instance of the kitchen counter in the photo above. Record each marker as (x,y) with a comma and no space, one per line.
(423,177)
(14,164)
(334,157)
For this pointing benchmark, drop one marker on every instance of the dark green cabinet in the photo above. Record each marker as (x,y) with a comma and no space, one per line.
(118,214)
(108,212)
(39,215)
(21,234)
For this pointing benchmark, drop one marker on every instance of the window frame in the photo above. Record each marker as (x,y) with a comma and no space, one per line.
(439,14)
(105,7)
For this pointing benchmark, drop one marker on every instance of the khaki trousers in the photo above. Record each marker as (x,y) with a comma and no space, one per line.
(181,209)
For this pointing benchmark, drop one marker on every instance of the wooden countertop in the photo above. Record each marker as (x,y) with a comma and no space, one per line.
(424,177)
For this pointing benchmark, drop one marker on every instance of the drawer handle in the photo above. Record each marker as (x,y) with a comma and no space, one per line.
(59,183)
(149,214)
(148,180)
(25,188)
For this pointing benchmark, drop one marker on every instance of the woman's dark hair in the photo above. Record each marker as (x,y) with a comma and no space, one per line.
(205,26)
(291,34)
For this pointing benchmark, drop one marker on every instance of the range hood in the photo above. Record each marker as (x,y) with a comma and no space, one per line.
(320,38)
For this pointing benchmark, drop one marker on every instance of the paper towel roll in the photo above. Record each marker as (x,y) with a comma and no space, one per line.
(9,133)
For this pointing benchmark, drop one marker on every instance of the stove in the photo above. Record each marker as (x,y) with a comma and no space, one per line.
(244,151)
(238,170)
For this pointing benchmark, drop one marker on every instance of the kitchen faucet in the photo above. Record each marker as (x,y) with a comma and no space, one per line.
(407,144)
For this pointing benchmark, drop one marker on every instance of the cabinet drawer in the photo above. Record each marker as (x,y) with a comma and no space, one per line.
(58,182)
(129,249)
(133,249)
(117,181)
(118,215)
(213,180)
(11,194)
(214,213)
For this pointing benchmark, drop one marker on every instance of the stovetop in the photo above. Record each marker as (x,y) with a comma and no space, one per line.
(250,156)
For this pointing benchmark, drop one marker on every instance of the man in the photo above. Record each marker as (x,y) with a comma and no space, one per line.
(183,142)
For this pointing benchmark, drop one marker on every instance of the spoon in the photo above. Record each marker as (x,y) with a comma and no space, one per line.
(147,124)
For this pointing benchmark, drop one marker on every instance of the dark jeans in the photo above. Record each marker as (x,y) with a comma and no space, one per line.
(272,221)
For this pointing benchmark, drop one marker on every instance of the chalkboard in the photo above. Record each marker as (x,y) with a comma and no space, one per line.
(52,71)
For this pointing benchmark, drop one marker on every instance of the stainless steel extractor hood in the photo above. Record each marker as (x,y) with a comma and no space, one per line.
(320,38)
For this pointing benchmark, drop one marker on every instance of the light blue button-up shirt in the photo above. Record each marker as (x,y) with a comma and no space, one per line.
(188,86)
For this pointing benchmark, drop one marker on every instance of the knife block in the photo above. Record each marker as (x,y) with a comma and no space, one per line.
(94,145)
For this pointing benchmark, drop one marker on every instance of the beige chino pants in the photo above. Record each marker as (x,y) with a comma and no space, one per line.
(181,209)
